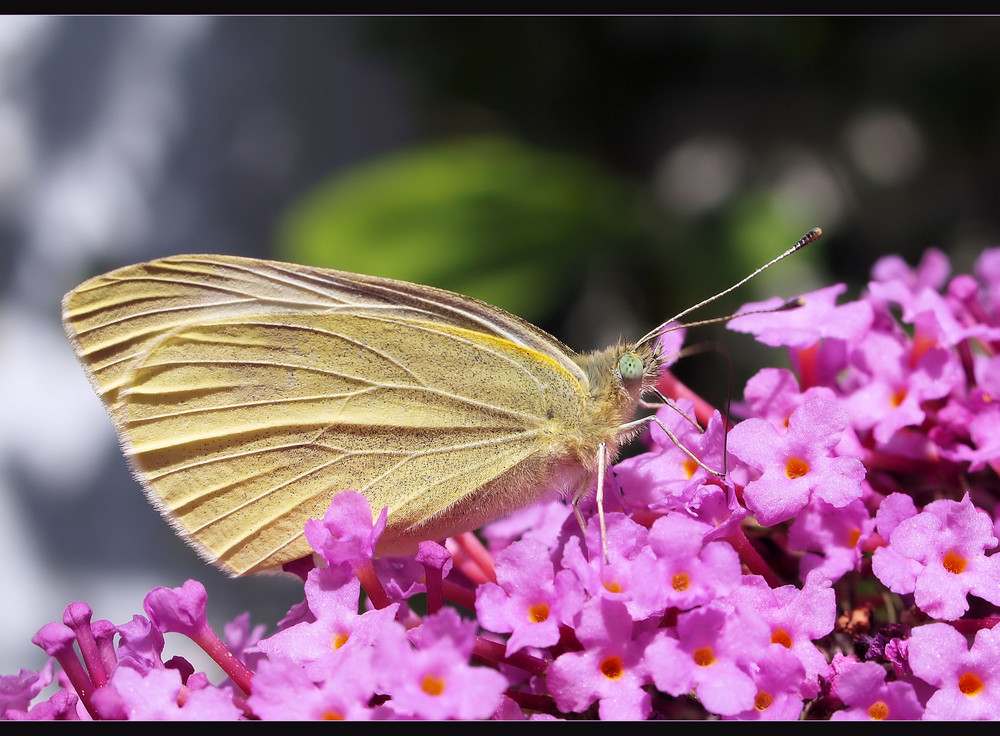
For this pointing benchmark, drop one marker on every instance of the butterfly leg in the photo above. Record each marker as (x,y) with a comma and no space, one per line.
(575,501)
(602,467)
(581,489)
(667,402)
(676,441)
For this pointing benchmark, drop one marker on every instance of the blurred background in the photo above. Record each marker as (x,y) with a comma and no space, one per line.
(593,175)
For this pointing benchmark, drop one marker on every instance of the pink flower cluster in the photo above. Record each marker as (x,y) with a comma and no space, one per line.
(841,567)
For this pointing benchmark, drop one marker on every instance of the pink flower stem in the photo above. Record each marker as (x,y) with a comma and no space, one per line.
(435,588)
(78,617)
(472,558)
(493,653)
(531,701)
(373,586)
(238,672)
(751,557)
(458,594)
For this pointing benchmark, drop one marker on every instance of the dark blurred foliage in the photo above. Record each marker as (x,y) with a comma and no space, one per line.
(732,136)
(625,91)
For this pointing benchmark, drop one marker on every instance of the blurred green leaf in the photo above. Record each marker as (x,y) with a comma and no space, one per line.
(489,217)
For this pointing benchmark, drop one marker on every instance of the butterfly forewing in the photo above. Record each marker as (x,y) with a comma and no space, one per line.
(113,318)
(248,393)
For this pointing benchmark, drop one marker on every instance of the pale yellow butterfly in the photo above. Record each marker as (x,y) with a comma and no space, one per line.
(247,393)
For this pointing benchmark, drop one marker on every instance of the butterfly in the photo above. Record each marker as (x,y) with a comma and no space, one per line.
(246,393)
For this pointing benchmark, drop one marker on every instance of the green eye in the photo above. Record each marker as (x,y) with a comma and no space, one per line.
(630,367)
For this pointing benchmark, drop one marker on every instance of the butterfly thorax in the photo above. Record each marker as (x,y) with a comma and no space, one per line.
(614,397)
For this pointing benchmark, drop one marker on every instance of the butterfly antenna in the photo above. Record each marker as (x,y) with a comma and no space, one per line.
(805,240)
(793,303)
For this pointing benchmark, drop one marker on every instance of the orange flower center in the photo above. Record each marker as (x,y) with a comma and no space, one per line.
(796,468)
(878,711)
(954,562)
(704,656)
(782,637)
(970,684)
(612,668)
(681,581)
(538,613)
(432,685)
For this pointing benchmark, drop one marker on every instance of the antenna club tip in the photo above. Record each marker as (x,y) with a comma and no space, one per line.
(806,239)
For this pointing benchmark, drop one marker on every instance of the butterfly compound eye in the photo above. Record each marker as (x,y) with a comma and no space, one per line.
(630,367)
